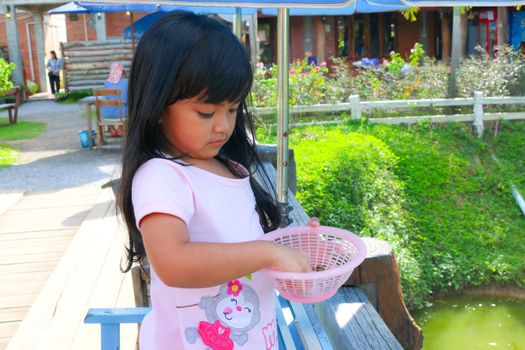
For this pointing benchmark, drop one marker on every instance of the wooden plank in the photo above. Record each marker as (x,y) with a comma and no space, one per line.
(106,292)
(352,322)
(8,198)
(129,332)
(19,299)
(28,246)
(28,235)
(29,285)
(13,314)
(433,119)
(36,257)
(100,52)
(85,45)
(65,290)
(504,116)
(503,100)
(6,329)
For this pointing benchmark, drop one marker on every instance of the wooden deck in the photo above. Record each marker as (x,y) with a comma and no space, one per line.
(59,255)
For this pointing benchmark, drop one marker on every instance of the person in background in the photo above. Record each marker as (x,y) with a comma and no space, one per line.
(54,66)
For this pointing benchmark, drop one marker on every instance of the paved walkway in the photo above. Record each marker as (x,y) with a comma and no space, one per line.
(55,159)
(60,183)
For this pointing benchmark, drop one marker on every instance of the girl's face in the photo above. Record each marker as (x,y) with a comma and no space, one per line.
(197,129)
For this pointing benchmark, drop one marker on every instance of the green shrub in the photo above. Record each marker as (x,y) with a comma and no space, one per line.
(32,87)
(433,192)
(72,97)
(6,69)
(347,179)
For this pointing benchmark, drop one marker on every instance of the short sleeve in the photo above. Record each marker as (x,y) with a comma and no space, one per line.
(162,186)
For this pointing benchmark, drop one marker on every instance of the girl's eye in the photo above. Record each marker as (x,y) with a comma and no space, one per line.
(249,310)
(233,110)
(206,114)
(234,300)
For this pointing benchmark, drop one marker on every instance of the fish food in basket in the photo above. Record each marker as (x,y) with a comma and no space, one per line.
(333,254)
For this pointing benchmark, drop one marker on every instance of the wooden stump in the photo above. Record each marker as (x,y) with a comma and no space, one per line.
(378,277)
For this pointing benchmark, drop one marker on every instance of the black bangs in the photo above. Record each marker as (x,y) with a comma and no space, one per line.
(217,68)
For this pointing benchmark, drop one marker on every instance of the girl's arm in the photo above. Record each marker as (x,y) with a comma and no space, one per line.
(181,263)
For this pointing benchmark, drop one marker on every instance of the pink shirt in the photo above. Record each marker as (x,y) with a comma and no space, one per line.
(239,314)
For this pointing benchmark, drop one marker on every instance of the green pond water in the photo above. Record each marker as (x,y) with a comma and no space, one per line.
(473,323)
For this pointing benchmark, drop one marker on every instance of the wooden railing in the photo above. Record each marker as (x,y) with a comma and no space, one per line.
(357,108)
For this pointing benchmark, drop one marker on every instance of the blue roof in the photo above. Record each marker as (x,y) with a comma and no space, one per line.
(360,6)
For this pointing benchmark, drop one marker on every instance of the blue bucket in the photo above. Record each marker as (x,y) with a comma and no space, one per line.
(84,142)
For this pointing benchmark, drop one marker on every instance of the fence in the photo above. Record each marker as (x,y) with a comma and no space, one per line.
(356,107)
(87,63)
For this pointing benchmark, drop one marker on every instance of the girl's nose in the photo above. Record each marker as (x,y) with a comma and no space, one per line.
(239,308)
(222,123)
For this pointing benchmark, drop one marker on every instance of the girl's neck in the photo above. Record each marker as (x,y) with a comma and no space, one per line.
(212,165)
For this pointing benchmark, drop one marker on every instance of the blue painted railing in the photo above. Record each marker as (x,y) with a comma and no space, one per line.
(298,328)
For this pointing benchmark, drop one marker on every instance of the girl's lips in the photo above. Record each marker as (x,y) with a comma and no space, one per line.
(218,143)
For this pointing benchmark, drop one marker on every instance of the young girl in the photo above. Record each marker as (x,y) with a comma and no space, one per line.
(188,196)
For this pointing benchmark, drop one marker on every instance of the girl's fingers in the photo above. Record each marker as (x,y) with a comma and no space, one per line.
(314,222)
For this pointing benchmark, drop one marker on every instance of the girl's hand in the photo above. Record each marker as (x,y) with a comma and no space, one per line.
(289,259)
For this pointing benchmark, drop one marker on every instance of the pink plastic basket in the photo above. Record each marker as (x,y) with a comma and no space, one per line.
(333,254)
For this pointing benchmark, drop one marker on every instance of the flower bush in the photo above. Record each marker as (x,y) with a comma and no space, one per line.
(419,77)
(307,84)
(494,76)
(416,77)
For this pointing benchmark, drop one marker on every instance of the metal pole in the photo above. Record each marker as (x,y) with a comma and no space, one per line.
(283,53)
(238,23)
(456,51)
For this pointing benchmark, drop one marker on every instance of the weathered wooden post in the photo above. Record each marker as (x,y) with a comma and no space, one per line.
(478,113)
(355,107)
(378,276)
(64,71)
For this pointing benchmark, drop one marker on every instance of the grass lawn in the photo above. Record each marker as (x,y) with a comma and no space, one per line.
(19,131)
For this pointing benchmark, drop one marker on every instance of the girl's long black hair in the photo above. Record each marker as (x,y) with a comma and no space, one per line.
(181,56)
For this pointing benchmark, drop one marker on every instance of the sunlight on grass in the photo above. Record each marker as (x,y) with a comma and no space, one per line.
(8,156)
(21,130)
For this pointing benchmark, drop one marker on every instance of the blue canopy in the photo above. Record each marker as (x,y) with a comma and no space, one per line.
(70,7)
(248,3)
(99,7)
(455,3)
(140,26)
(360,6)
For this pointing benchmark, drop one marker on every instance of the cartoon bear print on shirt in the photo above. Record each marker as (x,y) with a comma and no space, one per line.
(229,317)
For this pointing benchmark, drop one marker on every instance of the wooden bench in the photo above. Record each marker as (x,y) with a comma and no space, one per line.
(12,108)
(346,321)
